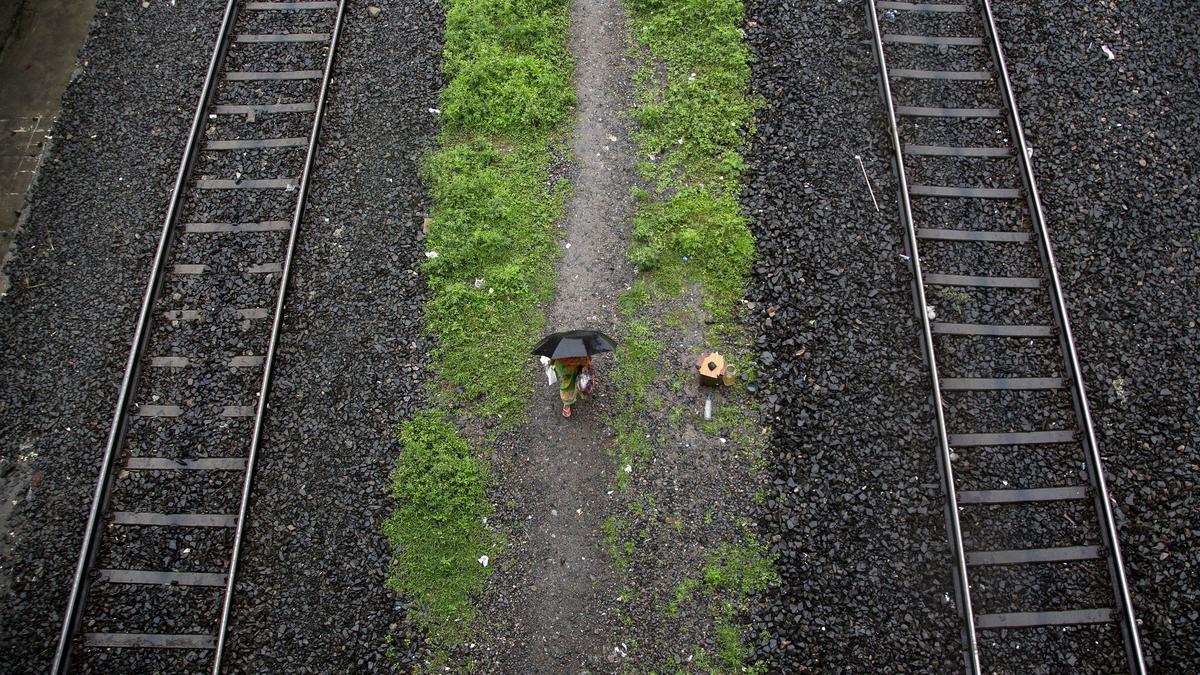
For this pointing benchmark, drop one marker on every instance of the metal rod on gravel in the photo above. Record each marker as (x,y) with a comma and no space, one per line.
(276,327)
(1133,646)
(116,434)
(967,612)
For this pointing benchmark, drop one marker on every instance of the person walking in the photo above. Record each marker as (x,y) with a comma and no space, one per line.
(570,353)
(570,373)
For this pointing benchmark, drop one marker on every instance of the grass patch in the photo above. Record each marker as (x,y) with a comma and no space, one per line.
(616,541)
(730,575)
(739,569)
(494,212)
(695,111)
(493,224)
(437,528)
(491,249)
(695,115)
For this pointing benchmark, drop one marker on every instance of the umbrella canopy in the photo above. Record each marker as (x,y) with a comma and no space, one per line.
(573,344)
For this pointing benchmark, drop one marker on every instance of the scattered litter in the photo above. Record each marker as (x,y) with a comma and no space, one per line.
(435,111)
(431,254)
(483,560)
(479,282)
(905,257)
(628,468)
(568,244)
(373,10)
(1108,53)
(930,312)
(868,180)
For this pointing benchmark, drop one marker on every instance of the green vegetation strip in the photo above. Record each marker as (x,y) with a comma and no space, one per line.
(491,251)
(695,116)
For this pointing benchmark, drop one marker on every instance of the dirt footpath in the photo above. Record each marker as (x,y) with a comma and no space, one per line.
(548,608)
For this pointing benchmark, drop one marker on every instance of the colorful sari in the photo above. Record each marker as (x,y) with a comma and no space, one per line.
(568,371)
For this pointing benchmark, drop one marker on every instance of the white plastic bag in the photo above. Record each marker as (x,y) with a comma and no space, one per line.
(551,377)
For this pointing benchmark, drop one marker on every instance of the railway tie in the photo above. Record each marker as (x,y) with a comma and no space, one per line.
(944,119)
(193,399)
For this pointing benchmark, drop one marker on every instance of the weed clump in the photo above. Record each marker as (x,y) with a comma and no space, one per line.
(437,528)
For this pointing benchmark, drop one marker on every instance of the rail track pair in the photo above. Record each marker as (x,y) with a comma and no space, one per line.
(966,190)
(207,333)
(159,559)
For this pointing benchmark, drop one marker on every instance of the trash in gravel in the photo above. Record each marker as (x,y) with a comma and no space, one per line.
(710,368)
(930,312)
(1108,53)
(431,254)
(435,111)
(870,189)
(373,10)
(905,257)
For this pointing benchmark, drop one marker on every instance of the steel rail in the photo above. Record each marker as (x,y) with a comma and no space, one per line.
(272,345)
(953,526)
(116,436)
(1133,647)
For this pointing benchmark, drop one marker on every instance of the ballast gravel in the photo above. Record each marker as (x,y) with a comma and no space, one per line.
(311,592)
(1114,142)
(856,518)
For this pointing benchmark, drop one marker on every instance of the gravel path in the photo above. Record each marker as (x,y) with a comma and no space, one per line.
(312,593)
(351,360)
(856,517)
(857,520)
(550,611)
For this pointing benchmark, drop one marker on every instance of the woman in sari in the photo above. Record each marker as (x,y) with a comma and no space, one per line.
(569,372)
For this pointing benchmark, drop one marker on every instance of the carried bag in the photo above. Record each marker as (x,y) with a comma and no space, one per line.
(587,379)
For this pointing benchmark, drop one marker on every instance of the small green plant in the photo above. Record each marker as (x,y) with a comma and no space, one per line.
(730,649)
(683,594)
(954,295)
(620,548)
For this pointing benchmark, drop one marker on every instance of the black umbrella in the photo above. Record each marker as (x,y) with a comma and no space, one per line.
(574,343)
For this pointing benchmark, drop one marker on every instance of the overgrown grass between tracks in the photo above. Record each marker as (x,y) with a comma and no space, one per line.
(694,117)
(490,265)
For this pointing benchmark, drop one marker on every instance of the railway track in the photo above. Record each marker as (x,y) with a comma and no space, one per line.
(154,584)
(1035,550)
